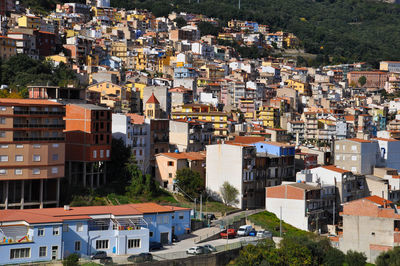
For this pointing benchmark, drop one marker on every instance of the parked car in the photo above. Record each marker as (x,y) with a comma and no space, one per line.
(195,250)
(264,233)
(244,230)
(229,233)
(253,232)
(155,246)
(99,255)
(142,257)
(106,260)
(210,247)
(211,216)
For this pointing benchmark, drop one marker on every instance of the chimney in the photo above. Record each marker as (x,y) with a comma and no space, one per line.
(66,207)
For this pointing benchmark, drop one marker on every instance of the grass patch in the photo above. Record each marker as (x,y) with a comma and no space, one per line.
(208,206)
(270,222)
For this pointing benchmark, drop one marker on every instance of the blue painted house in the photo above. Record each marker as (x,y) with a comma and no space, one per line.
(35,235)
(274,148)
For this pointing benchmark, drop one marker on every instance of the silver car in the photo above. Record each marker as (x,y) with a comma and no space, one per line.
(195,250)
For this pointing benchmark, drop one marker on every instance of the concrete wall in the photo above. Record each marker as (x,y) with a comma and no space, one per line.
(293,211)
(120,125)
(224,163)
(162,95)
(179,134)
(361,231)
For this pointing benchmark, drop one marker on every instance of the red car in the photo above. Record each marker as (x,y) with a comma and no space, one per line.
(229,233)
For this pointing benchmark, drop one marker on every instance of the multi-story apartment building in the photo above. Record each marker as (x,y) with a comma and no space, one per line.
(39,235)
(356,155)
(310,125)
(269,116)
(374,79)
(8,47)
(167,164)
(159,139)
(206,113)
(370,225)
(88,138)
(190,135)
(297,129)
(25,43)
(302,205)
(135,132)
(32,153)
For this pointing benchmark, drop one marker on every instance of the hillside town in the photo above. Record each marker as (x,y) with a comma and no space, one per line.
(317,147)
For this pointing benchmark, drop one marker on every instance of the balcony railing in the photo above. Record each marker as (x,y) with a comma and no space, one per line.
(33,139)
(27,112)
(39,125)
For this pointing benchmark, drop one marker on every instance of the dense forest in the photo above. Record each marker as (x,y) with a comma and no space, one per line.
(345,30)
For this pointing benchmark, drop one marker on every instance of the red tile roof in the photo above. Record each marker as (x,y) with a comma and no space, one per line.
(27,101)
(136,119)
(335,169)
(360,140)
(153,99)
(378,200)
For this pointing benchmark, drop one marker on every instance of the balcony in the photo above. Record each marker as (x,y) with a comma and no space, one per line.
(30,112)
(39,125)
(37,139)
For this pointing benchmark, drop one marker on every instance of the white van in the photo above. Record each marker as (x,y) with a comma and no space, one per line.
(244,230)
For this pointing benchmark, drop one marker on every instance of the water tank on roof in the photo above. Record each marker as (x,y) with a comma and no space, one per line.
(176,151)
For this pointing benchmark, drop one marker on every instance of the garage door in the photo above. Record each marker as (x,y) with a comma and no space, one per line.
(164,238)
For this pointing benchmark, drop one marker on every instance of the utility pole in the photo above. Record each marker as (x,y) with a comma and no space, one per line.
(201,206)
(280,222)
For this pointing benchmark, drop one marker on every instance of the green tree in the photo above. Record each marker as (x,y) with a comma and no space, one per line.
(116,168)
(355,258)
(334,257)
(207,28)
(362,80)
(295,252)
(190,182)
(180,22)
(391,257)
(140,185)
(229,193)
(71,260)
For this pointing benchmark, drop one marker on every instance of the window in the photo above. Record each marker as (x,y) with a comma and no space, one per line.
(133,243)
(170,175)
(3,158)
(2,134)
(354,148)
(19,158)
(56,231)
(42,251)
(55,145)
(107,153)
(3,108)
(337,157)
(4,146)
(36,158)
(3,171)
(354,169)
(101,244)
(170,163)
(55,156)
(151,234)
(19,146)
(353,158)
(77,245)
(101,153)
(36,146)
(18,171)
(94,154)
(2,120)
(181,217)
(165,219)
(36,171)
(65,228)
(79,227)
(54,170)
(40,231)
(20,253)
